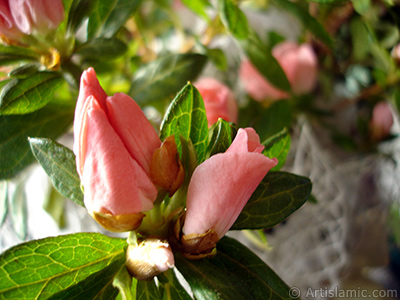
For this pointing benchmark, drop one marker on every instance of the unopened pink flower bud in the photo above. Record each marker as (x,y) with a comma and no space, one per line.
(381,121)
(148,259)
(114,145)
(299,63)
(219,189)
(39,15)
(219,100)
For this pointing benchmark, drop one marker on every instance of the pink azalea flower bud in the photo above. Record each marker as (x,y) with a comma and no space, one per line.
(148,259)
(381,121)
(299,63)
(40,15)
(7,25)
(220,187)
(219,100)
(114,145)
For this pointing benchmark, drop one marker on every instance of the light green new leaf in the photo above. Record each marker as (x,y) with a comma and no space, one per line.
(15,151)
(59,164)
(186,117)
(261,57)
(278,196)
(163,78)
(147,290)
(76,266)
(102,49)
(306,19)
(26,95)
(233,19)
(328,1)
(198,6)
(252,272)
(124,283)
(279,149)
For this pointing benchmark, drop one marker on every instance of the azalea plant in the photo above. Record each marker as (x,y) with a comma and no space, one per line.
(164,154)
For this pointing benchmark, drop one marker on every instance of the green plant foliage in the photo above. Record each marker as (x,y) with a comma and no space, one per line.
(279,149)
(76,266)
(147,290)
(233,19)
(278,196)
(13,54)
(171,288)
(3,200)
(234,273)
(164,77)
(221,135)
(186,117)
(102,49)
(26,95)
(50,121)
(59,164)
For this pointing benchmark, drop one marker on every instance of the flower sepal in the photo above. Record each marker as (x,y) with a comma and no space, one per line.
(118,223)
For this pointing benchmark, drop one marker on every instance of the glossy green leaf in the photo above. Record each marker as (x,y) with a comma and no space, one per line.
(279,149)
(147,290)
(3,200)
(15,152)
(306,20)
(110,16)
(170,287)
(186,117)
(59,164)
(25,70)
(261,57)
(252,272)
(233,18)
(278,196)
(163,78)
(13,54)
(210,282)
(22,96)
(78,12)
(102,49)
(221,137)
(76,266)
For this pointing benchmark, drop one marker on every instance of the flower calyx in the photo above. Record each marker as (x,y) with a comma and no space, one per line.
(118,223)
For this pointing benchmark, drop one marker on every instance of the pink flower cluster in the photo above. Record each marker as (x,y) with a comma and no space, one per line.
(114,146)
(19,17)
(299,63)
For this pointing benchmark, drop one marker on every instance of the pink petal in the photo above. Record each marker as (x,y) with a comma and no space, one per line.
(134,129)
(113,182)
(246,140)
(220,188)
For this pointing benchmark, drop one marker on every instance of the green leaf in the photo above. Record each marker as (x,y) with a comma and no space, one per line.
(13,54)
(76,266)
(22,96)
(79,11)
(163,78)
(328,1)
(15,153)
(186,117)
(147,290)
(278,196)
(123,282)
(25,70)
(306,20)
(210,282)
(279,149)
(3,200)
(102,49)
(233,19)
(54,205)
(171,288)
(110,16)
(261,57)
(221,137)
(263,282)
(198,6)
(59,164)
